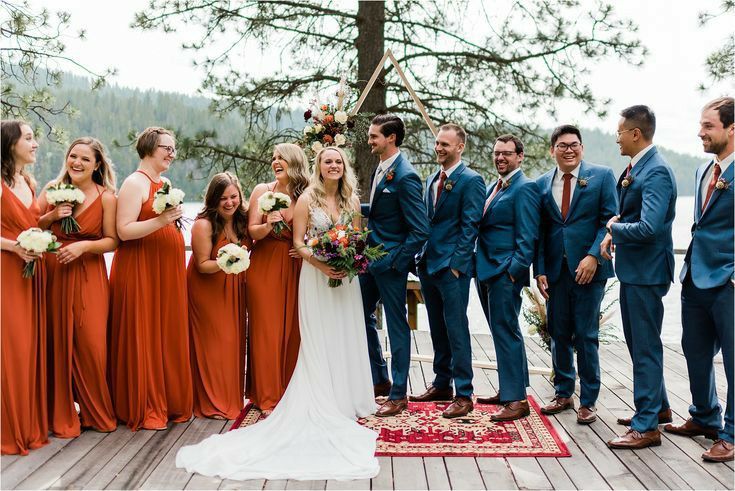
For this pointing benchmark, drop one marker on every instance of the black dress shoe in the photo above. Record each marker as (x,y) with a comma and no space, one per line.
(433,394)
(382,389)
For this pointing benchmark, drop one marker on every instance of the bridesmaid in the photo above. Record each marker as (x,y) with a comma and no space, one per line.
(149,345)
(217,312)
(273,342)
(77,294)
(24,418)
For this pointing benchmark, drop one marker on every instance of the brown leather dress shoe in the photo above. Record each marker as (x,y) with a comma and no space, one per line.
(495,400)
(460,406)
(633,440)
(382,389)
(721,451)
(586,415)
(663,417)
(433,394)
(690,428)
(512,411)
(558,404)
(391,407)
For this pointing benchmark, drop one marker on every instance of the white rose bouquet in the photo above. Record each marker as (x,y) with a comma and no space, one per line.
(233,258)
(39,241)
(62,192)
(168,197)
(271,201)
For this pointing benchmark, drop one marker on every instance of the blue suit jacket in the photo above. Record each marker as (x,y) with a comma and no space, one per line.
(583,230)
(710,256)
(644,251)
(509,231)
(397,217)
(453,222)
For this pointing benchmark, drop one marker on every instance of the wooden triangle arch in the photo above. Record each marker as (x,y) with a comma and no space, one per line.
(389,55)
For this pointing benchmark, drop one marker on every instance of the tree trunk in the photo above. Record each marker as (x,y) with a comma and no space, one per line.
(370,44)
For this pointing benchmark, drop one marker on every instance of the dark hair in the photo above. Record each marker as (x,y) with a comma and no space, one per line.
(461,133)
(215,190)
(511,138)
(565,129)
(10,133)
(147,141)
(390,124)
(640,117)
(724,107)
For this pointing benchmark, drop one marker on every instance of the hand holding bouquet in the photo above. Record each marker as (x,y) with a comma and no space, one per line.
(344,248)
(57,194)
(168,197)
(36,241)
(233,259)
(270,202)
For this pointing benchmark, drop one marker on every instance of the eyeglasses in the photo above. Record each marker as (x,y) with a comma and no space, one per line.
(168,148)
(568,146)
(625,131)
(507,153)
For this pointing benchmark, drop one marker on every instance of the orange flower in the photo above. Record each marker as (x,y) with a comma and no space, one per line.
(327,139)
(328,118)
(341,226)
(324,107)
(332,235)
(345,242)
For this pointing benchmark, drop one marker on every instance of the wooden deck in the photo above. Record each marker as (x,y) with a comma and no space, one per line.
(145,459)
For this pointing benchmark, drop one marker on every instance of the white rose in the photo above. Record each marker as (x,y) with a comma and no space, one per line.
(233,259)
(283,197)
(340,117)
(175,196)
(316,146)
(266,202)
(339,139)
(318,128)
(308,129)
(341,234)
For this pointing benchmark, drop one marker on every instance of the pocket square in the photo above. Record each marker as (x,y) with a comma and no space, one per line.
(386,190)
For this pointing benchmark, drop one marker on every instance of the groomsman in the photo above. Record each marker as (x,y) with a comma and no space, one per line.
(454,198)
(707,285)
(641,234)
(397,218)
(505,247)
(577,200)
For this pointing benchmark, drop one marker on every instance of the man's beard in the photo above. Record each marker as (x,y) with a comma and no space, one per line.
(715,147)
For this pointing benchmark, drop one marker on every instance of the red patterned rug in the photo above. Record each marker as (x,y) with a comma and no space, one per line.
(422,432)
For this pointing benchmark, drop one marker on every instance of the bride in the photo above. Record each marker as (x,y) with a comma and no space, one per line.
(312,433)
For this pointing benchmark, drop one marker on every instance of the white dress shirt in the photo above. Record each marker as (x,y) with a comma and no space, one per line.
(707,177)
(448,172)
(640,155)
(557,186)
(381,170)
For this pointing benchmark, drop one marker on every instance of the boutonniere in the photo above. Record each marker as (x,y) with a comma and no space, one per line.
(506,184)
(722,184)
(583,181)
(390,175)
(448,185)
(627,181)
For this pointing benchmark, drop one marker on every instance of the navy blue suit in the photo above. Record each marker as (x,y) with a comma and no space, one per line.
(644,264)
(453,229)
(397,219)
(707,303)
(573,309)
(506,245)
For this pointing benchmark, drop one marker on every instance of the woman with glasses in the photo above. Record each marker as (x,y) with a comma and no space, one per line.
(149,347)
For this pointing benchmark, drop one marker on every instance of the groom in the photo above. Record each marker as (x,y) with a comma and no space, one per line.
(397,219)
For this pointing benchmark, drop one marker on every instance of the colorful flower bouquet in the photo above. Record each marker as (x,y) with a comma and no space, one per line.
(168,197)
(39,241)
(233,258)
(57,194)
(270,202)
(328,125)
(345,248)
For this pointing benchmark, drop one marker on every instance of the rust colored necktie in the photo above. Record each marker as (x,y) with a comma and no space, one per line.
(565,195)
(492,196)
(712,183)
(440,187)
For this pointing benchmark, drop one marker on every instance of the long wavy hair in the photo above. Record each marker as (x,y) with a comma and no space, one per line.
(346,189)
(104,175)
(298,168)
(215,190)
(10,133)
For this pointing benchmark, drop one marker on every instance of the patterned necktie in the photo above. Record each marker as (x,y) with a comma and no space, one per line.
(440,187)
(712,183)
(565,195)
(490,199)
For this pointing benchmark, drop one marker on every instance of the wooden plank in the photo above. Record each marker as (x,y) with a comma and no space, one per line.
(555,473)
(293,484)
(358,484)
(6,460)
(275,484)
(249,484)
(408,473)
(496,473)
(26,465)
(384,479)
(436,473)
(528,473)
(464,473)
(203,482)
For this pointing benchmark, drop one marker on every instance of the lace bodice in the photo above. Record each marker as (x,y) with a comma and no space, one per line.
(320,221)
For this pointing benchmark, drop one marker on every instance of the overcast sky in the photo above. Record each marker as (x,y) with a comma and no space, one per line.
(667,82)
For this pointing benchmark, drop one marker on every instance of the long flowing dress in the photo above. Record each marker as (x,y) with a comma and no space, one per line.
(273,325)
(217,320)
(77,304)
(312,433)
(149,346)
(24,416)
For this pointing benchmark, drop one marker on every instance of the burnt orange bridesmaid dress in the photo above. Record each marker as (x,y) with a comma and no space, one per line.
(273,318)
(77,302)
(24,416)
(217,320)
(149,344)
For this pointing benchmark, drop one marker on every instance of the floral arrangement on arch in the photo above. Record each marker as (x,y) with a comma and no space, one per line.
(328,125)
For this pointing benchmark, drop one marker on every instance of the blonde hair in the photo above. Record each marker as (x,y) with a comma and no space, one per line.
(104,175)
(297,171)
(346,189)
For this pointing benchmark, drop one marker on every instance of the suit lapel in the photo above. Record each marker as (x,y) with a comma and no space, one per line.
(384,180)
(430,193)
(454,178)
(727,176)
(578,190)
(698,190)
(637,169)
(549,194)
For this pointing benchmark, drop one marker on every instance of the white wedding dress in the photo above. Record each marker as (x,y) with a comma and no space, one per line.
(312,433)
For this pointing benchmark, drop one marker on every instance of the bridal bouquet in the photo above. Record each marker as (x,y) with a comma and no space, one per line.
(62,192)
(39,241)
(168,197)
(328,125)
(233,258)
(271,201)
(345,248)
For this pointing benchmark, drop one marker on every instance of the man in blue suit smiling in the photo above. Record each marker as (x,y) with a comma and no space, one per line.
(707,285)
(397,219)
(577,200)
(644,264)
(506,244)
(454,197)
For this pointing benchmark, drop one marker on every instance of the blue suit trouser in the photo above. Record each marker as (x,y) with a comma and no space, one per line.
(446,298)
(574,322)
(707,320)
(390,288)
(643,311)
(502,304)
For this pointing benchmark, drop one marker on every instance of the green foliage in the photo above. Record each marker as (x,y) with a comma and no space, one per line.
(720,62)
